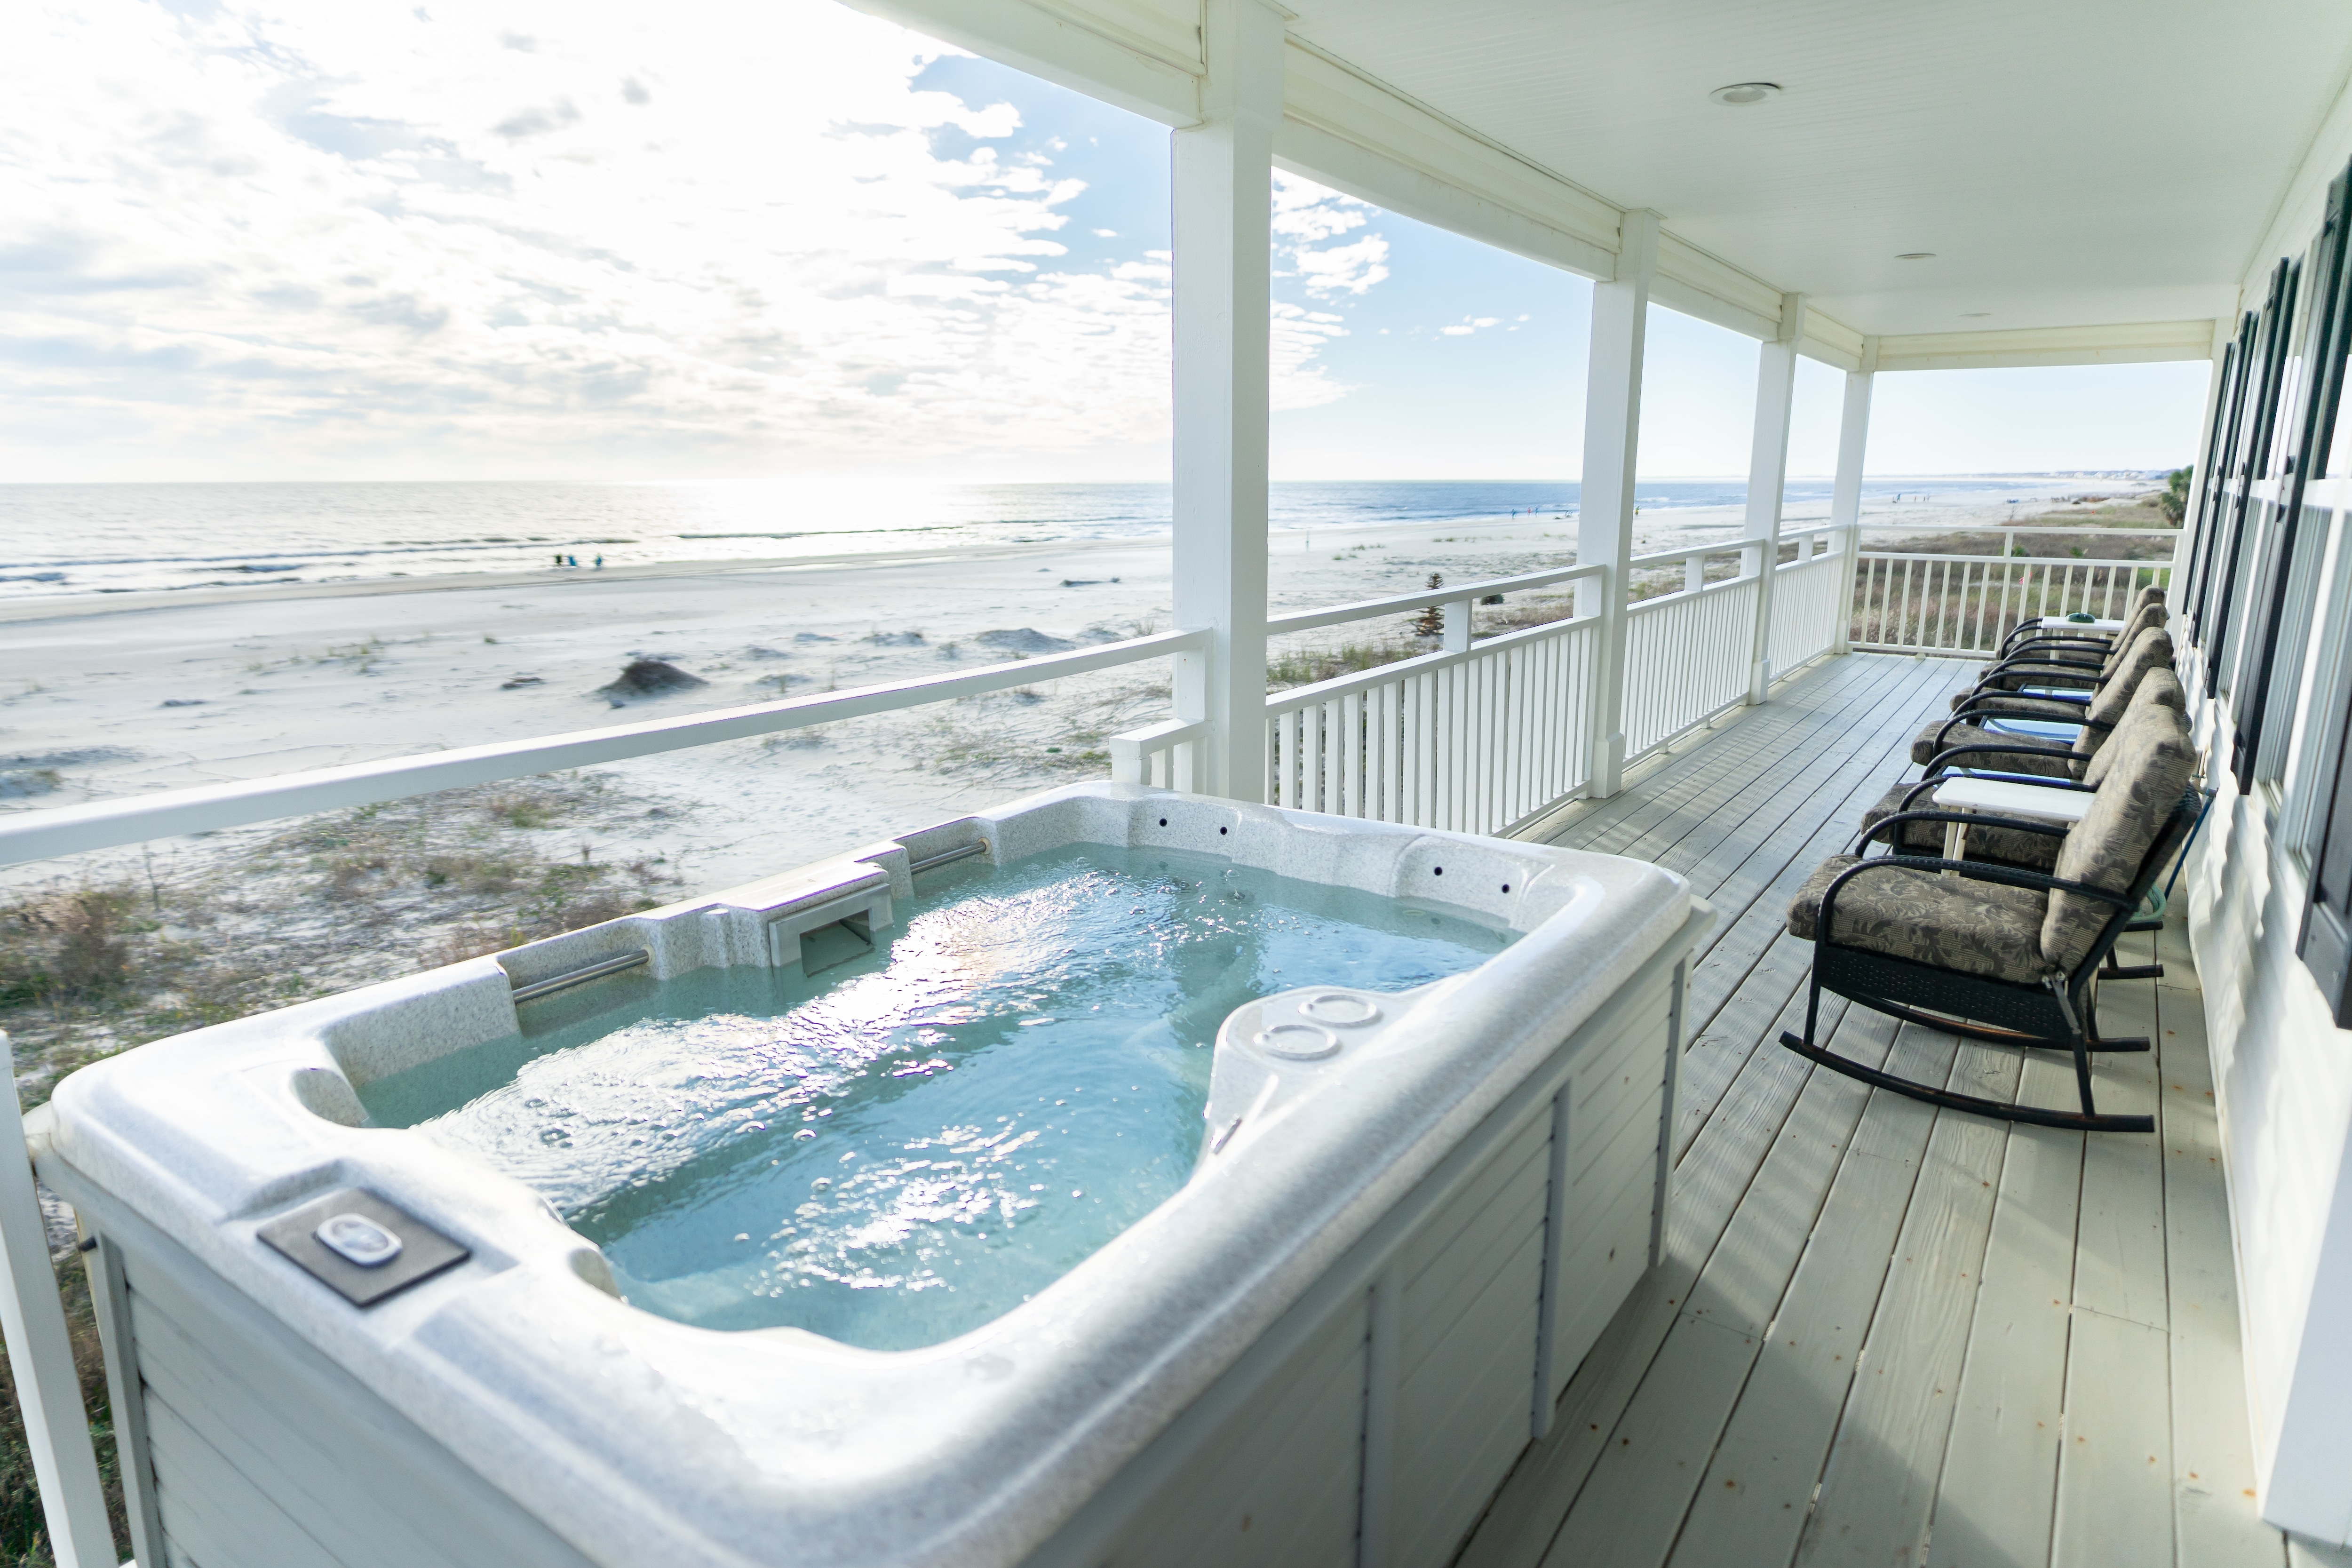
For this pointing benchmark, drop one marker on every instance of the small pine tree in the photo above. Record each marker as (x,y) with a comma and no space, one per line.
(1430,622)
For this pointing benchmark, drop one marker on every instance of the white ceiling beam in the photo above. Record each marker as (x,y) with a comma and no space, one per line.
(2135,343)
(1345,130)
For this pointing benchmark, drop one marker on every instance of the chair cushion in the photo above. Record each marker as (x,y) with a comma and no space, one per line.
(2066,676)
(2000,845)
(2152,649)
(1951,922)
(2158,689)
(2145,619)
(2022,753)
(2150,762)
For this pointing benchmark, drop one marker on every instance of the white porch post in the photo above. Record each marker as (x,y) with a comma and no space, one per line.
(1767,472)
(1845,496)
(1604,518)
(41,1360)
(1223,176)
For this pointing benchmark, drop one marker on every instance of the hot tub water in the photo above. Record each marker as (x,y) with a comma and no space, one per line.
(904,1146)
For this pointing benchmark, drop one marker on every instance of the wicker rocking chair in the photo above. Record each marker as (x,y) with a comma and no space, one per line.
(1996,952)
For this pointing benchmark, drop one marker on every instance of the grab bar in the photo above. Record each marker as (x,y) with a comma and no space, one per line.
(932,862)
(602,967)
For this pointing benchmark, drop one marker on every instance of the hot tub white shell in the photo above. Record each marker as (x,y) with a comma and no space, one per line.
(1328,1348)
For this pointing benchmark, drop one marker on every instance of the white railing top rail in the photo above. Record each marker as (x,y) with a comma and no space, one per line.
(1419,664)
(1683,595)
(99,825)
(1420,599)
(2146,564)
(2021,526)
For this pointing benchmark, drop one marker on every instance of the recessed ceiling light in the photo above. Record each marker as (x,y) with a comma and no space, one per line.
(1916,256)
(1740,94)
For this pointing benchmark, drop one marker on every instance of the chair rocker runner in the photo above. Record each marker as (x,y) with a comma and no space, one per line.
(2001,953)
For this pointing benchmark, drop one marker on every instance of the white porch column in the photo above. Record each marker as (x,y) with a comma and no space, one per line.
(1845,496)
(1767,472)
(1223,176)
(1604,517)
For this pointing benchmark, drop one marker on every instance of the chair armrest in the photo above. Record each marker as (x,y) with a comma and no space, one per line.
(2040,781)
(1971,818)
(1935,764)
(1994,705)
(2102,646)
(1974,870)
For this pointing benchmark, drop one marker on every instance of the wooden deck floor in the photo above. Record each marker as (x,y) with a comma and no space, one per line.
(1886,1334)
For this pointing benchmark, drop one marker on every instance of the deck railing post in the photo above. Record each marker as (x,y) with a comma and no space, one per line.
(1768,473)
(1223,179)
(1604,518)
(40,1360)
(1845,494)
(1456,615)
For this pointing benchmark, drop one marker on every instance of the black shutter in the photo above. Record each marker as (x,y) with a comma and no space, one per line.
(2187,587)
(2216,510)
(2256,411)
(2323,382)
(2326,941)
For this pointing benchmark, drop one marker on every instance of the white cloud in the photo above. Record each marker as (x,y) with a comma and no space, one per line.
(524,238)
(1469,324)
(1305,213)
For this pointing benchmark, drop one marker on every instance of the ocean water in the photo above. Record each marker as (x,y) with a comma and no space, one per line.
(902,1147)
(82,539)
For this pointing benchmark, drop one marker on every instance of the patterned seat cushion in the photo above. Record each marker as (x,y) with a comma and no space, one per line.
(2075,668)
(2161,689)
(2151,652)
(2135,616)
(1951,922)
(2001,845)
(2020,754)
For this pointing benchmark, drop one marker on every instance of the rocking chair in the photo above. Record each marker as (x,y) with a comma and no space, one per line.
(2001,953)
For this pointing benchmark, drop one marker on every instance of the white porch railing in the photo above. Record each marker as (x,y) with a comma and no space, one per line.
(1686,658)
(1475,740)
(69,829)
(1805,593)
(1907,602)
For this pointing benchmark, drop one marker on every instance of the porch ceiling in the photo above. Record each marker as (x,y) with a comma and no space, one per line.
(2092,162)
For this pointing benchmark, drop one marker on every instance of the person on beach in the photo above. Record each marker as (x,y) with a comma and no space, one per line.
(600,564)
(559,559)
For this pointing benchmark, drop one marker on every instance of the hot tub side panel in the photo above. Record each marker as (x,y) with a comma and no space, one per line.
(1410,1379)
(244,1446)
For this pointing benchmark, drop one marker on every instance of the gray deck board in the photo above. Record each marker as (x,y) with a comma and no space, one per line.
(1884,1332)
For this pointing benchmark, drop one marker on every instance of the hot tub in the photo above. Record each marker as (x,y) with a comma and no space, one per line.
(1117,1176)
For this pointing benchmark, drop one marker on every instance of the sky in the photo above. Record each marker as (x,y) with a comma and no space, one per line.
(519,240)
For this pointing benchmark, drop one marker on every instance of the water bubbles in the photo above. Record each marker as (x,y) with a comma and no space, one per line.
(804,1135)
